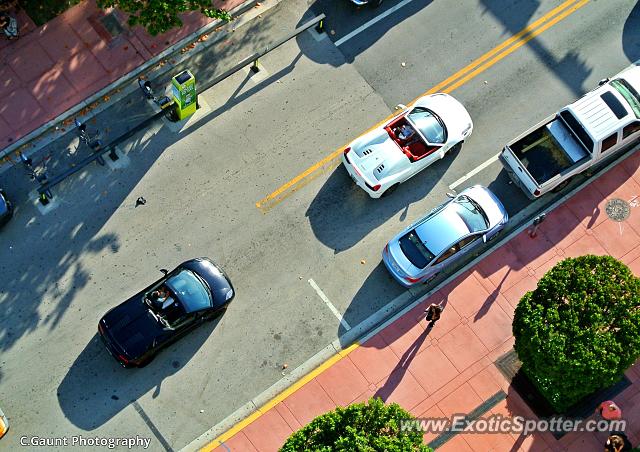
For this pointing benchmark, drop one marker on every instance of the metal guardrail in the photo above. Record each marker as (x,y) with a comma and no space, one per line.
(44,190)
(317,21)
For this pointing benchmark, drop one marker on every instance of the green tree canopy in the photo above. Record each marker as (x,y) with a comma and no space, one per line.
(159,16)
(358,428)
(579,330)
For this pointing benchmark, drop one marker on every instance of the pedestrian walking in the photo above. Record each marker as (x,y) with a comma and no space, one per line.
(433,313)
(617,442)
(609,410)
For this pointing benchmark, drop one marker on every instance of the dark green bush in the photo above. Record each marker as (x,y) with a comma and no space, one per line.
(42,11)
(358,428)
(579,330)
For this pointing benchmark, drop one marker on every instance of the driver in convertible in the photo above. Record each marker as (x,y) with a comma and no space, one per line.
(161,298)
(405,132)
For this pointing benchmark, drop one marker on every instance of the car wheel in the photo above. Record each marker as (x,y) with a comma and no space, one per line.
(561,186)
(456,148)
(390,190)
(146,361)
(214,315)
(430,278)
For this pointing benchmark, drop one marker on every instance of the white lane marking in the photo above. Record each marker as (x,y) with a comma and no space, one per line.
(321,294)
(373,21)
(470,174)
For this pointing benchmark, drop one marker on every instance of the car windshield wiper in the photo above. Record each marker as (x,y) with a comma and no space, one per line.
(479,209)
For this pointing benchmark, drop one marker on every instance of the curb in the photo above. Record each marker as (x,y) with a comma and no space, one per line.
(375,323)
(116,91)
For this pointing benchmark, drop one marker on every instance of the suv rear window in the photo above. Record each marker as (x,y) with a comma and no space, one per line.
(577,129)
(629,93)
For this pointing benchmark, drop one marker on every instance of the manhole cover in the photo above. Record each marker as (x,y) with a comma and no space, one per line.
(617,209)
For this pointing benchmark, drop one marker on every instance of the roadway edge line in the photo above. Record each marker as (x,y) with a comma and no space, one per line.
(330,305)
(373,21)
(475,171)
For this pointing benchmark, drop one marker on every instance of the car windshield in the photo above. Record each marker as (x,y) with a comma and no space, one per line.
(471,213)
(429,125)
(629,93)
(192,292)
(415,250)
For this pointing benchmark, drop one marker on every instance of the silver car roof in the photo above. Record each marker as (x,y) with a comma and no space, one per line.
(442,230)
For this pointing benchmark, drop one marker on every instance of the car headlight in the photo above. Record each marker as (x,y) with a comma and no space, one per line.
(229,295)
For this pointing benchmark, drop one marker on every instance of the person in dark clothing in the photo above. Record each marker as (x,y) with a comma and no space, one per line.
(617,442)
(433,313)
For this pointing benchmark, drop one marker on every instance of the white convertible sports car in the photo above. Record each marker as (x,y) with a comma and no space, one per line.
(381,159)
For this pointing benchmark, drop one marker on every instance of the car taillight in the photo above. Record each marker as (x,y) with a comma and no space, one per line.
(411,280)
(346,157)
(536,193)
(374,188)
(123,359)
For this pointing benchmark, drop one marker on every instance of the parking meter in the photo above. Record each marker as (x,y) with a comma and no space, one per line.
(184,94)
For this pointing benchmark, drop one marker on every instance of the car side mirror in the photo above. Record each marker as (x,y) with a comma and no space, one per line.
(164,271)
(451,195)
(484,238)
(400,107)
(603,81)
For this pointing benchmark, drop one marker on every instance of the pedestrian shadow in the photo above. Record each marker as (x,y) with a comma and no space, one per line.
(397,374)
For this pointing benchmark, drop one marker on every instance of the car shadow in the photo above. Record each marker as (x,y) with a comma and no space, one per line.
(343,17)
(341,214)
(631,34)
(96,388)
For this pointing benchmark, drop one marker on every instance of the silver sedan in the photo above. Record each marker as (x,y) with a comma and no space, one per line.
(450,231)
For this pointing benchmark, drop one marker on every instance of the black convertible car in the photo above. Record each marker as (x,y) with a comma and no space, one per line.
(6,209)
(134,331)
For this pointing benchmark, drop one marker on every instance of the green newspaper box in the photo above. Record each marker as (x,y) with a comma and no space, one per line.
(184,94)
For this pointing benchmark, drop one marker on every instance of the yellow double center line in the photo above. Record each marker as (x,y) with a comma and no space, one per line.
(456,80)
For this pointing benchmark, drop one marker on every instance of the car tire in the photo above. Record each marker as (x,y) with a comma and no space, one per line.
(429,279)
(456,148)
(145,362)
(562,185)
(389,190)
(214,315)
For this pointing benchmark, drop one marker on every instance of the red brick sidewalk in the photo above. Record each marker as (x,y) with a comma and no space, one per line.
(56,66)
(450,369)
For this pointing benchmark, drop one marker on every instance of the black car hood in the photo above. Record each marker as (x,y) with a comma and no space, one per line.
(132,328)
(215,278)
(5,206)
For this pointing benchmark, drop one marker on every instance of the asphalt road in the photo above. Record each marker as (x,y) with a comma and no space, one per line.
(63,270)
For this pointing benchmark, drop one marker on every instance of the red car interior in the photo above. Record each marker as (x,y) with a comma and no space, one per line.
(414,148)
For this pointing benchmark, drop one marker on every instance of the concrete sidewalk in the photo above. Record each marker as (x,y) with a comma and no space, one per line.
(451,369)
(58,65)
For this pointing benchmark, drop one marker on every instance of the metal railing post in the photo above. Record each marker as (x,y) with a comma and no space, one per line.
(254,67)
